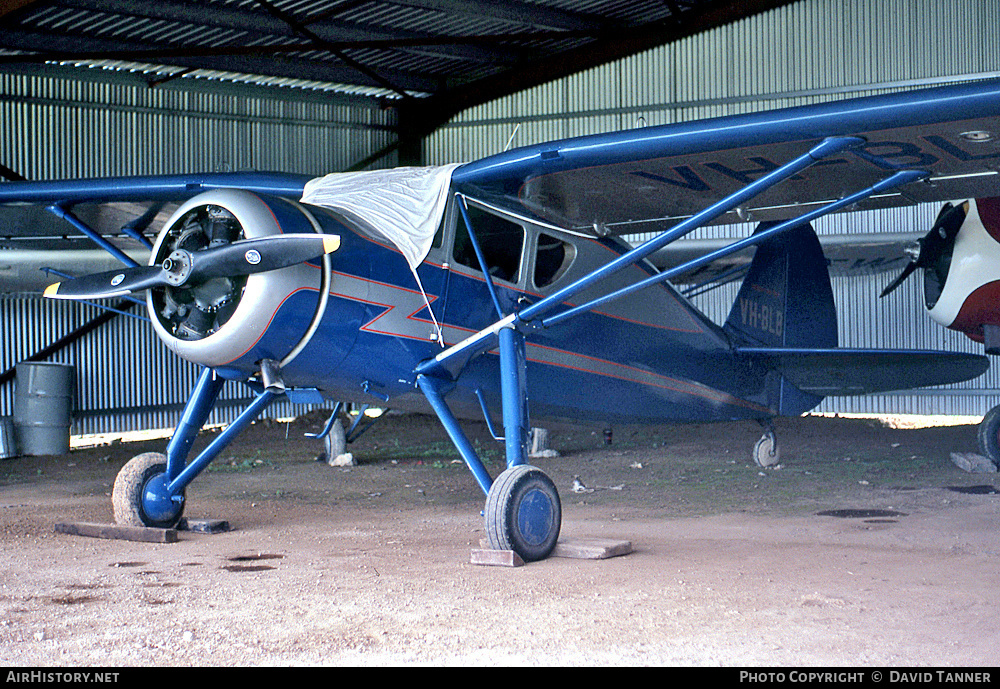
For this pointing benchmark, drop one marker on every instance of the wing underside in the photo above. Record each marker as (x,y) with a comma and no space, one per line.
(93,225)
(646,180)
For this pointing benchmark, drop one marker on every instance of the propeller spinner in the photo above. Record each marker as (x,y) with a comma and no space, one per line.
(933,251)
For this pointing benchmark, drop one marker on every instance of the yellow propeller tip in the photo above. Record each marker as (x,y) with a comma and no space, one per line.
(331,243)
(51,290)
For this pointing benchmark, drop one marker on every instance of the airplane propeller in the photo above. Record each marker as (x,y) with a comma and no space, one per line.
(180,267)
(927,251)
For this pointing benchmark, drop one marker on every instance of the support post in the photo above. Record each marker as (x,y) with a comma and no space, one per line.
(431,388)
(206,390)
(514,394)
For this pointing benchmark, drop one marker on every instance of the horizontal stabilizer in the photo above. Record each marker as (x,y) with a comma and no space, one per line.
(843,371)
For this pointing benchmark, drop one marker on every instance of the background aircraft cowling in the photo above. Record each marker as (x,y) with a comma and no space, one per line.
(960,261)
(225,320)
(963,290)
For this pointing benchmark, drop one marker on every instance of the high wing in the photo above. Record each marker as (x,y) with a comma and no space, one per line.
(649,179)
(55,225)
(148,188)
(645,180)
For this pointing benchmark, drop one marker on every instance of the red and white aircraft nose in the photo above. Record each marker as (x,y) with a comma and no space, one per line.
(970,297)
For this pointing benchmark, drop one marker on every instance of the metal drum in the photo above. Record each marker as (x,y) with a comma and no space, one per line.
(8,448)
(42,406)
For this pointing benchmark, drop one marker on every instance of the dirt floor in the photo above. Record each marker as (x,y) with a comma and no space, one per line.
(370,565)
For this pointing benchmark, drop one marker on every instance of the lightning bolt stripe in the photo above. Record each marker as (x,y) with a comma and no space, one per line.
(399,319)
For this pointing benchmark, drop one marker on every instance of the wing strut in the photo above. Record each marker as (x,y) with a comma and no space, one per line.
(479,256)
(60,212)
(898,179)
(827,147)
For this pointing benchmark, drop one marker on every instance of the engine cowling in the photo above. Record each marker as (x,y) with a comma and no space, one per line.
(962,289)
(225,320)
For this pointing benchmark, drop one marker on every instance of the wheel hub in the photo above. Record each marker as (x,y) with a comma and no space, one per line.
(534,517)
(157,502)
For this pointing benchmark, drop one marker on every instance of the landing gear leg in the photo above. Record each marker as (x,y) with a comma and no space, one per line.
(149,489)
(333,436)
(336,439)
(523,512)
(765,450)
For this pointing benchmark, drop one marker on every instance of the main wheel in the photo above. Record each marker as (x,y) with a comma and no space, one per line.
(989,435)
(139,496)
(765,451)
(523,513)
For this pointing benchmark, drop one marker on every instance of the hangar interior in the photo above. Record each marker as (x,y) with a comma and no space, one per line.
(92,88)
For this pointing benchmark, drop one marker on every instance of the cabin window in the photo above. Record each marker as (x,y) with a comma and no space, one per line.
(553,257)
(501,241)
(439,235)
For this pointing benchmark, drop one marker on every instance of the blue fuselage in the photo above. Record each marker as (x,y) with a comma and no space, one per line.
(647,357)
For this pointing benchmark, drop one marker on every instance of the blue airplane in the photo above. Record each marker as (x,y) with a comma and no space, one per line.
(500,286)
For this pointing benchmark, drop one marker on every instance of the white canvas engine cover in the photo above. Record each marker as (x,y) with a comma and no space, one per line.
(402,205)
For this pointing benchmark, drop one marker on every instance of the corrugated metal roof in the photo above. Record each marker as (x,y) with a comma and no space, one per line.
(389,49)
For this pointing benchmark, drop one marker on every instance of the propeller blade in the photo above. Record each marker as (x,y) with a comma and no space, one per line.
(910,267)
(250,256)
(936,243)
(113,283)
(245,257)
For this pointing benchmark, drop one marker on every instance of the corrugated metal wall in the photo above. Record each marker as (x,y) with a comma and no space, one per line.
(814,50)
(57,128)
(808,52)
(54,127)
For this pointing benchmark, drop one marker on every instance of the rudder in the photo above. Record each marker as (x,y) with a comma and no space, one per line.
(786,302)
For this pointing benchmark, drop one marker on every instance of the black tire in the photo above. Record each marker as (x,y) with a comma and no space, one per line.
(126,497)
(523,513)
(989,435)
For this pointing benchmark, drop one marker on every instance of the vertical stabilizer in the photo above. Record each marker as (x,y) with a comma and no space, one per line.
(786,302)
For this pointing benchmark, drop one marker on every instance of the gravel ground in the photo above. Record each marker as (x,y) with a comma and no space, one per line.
(856,551)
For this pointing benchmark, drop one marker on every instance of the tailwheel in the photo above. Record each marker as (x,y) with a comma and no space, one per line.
(140,496)
(765,450)
(523,513)
(989,435)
